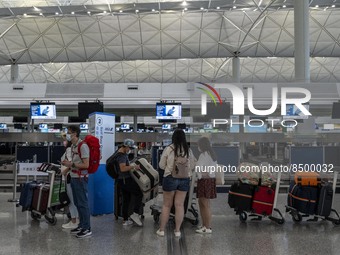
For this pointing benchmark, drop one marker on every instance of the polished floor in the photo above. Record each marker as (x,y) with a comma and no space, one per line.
(19,234)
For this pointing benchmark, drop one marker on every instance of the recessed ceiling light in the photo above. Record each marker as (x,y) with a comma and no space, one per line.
(218,8)
(25,14)
(153,10)
(202,8)
(137,10)
(40,14)
(284,6)
(57,13)
(88,12)
(120,11)
(185,3)
(72,13)
(36,9)
(104,12)
(185,9)
(333,5)
(234,7)
(317,6)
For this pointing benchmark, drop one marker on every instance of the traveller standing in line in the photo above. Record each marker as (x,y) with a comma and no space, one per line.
(175,189)
(79,181)
(206,184)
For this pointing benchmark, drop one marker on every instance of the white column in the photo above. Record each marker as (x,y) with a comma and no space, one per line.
(301,34)
(236,69)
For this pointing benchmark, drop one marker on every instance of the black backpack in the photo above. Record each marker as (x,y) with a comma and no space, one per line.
(112,166)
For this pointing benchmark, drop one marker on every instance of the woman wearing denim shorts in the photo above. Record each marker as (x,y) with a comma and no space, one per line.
(174,189)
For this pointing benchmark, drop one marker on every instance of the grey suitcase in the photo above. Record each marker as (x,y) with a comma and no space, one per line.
(147,177)
(150,194)
(325,201)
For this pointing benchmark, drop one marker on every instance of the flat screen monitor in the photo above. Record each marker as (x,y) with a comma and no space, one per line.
(73,119)
(43,111)
(125,126)
(20,119)
(83,126)
(166,126)
(86,108)
(3,126)
(141,126)
(43,126)
(18,126)
(168,111)
(336,111)
(208,126)
(292,111)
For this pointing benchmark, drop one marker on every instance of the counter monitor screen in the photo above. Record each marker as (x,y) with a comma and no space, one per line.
(168,111)
(3,126)
(86,108)
(83,126)
(166,126)
(125,126)
(292,111)
(43,126)
(43,111)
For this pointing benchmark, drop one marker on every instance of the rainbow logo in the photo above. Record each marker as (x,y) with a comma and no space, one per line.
(209,90)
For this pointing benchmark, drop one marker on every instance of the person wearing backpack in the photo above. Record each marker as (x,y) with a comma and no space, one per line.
(206,184)
(79,163)
(177,160)
(128,185)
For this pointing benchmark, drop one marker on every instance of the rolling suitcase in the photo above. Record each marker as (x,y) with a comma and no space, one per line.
(303,198)
(40,198)
(263,200)
(150,194)
(240,196)
(147,177)
(325,201)
(307,178)
(26,195)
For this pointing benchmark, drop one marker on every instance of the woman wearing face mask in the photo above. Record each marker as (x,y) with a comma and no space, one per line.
(65,172)
(206,185)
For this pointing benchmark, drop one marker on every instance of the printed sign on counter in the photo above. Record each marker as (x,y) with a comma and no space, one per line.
(26,169)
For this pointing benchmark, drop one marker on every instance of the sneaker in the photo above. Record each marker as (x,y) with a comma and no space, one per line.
(84,233)
(127,223)
(70,225)
(76,230)
(177,234)
(204,230)
(135,218)
(160,233)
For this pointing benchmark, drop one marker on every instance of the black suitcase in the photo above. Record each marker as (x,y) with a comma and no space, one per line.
(26,195)
(240,196)
(303,198)
(325,200)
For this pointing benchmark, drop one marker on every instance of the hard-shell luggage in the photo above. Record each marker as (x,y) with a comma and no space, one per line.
(240,196)
(303,198)
(307,178)
(40,198)
(325,200)
(150,194)
(263,200)
(147,177)
(26,195)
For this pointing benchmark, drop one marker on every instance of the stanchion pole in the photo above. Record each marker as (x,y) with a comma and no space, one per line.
(15,181)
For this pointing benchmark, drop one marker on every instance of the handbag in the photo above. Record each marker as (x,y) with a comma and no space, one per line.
(63,197)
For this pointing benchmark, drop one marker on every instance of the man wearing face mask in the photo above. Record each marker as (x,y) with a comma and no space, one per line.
(128,185)
(78,165)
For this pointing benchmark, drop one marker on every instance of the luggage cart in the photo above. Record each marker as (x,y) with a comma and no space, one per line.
(275,215)
(190,213)
(52,188)
(297,216)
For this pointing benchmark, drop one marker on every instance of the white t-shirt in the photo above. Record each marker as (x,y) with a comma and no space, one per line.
(205,166)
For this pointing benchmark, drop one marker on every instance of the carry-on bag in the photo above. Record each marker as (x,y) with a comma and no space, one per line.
(263,200)
(240,196)
(26,195)
(307,178)
(303,198)
(325,200)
